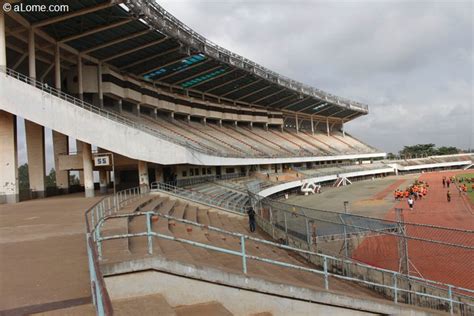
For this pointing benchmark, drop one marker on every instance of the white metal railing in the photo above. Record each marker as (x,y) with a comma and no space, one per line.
(458,298)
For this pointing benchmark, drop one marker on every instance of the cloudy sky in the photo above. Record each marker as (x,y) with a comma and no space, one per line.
(411,61)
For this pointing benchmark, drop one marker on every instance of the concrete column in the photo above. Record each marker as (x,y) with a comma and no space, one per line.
(137,110)
(189,118)
(342,129)
(79,152)
(327,126)
(220,123)
(143,173)
(297,124)
(31,53)
(281,127)
(158,174)
(155,113)
(99,85)
(3,42)
(9,185)
(119,105)
(57,68)
(204,121)
(312,126)
(60,146)
(36,159)
(172,116)
(80,82)
(266,126)
(88,170)
(235,123)
(251,125)
(103,181)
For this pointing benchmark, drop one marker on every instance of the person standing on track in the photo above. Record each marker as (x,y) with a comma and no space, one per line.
(251,214)
(444,182)
(410,203)
(448,196)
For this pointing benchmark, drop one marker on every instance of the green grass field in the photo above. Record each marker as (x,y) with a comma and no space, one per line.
(470,191)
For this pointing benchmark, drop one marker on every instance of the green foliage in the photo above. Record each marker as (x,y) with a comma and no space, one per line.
(73,179)
(422,150)
(23,179)
(51,178)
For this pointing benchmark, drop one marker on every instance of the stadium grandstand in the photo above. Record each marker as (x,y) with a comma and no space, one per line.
(174,139)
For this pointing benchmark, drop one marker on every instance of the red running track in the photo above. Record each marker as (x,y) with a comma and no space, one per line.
(435,262)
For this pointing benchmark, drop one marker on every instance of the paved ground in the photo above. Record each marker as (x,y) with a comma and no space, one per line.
(43,256)
(436,262)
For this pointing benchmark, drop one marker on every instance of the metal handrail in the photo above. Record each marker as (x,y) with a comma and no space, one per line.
(196,196)
(105,207)
(325,258)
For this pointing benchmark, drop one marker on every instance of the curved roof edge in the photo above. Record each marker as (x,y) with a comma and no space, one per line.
(166,23)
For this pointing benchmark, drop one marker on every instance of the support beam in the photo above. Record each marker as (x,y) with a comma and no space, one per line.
(63,17)
(9,184)
(174,61)
(295,103)
(242,87)
(79,152)
(96,30)
(57,69)
(184,69)
(103,181)
(46,72)
(36,158)
(342,129)
(225,73)
(283,99)
(135,49)
(31,54)
(80,82)
(226,83)
(60,146)
(143,173)
(116,41)
(312,126)
(268,96)
(154,56)
(3,40)
(88,170)
(187,78)
(253,92)
(99,85)
(327,126)
(297,124)
(19,61)
(310,106)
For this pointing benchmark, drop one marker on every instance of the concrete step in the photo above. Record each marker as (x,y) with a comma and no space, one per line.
(203,309)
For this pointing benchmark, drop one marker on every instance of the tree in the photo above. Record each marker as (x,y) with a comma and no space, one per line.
(422,150)
(51,178)
(23,178)
(73,179)
(447,150)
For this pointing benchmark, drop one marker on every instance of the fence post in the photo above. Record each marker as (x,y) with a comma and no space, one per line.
(395,289)
(244,257)
(148,233)
(326,279)
(450,294)
(99,243)
(308,235)
(286,227)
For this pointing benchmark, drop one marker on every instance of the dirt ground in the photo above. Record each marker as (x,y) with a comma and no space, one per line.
(43,259)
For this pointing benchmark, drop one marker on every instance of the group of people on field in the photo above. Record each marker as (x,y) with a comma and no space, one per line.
(462,183)
(417,190)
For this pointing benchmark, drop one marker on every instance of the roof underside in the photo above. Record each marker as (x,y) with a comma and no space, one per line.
(142,39)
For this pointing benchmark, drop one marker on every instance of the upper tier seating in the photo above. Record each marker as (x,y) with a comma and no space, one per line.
(238,141)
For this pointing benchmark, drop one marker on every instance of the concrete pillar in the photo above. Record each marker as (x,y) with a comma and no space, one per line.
(172,116)
(3,42)
(88,170)
(79,152)
(220,123)
(136,110)
(327,126)
(119,105)
(103,181)
(235,123)
(342,129)
(266,126)
(281,128)
(57,68)
(297,124)
(80,82)
(9,185)
(36,159)
(312,126)
(143,173)
(251,125)
(188,118)
(31,53)
(204,121)
(60,146)
(155,113)
(158,174)
(99,85)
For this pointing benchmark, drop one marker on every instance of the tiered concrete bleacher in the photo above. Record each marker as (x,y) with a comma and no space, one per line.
(239,141)
(203,257)
(224,194)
